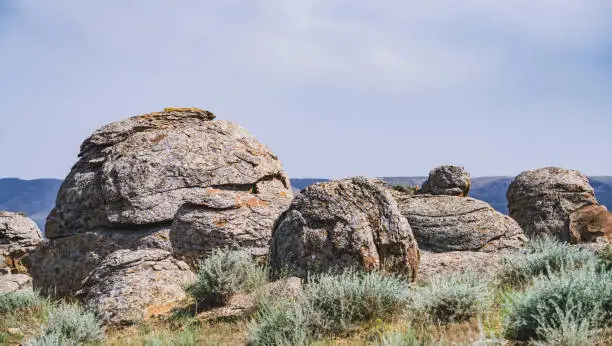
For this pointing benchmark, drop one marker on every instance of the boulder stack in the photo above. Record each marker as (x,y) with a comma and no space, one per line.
(351,223)
(19,236)
(169,186)
(541,201)
(447,180)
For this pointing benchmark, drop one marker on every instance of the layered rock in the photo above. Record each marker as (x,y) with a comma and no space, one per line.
(174,181)
(541,201)
(449,223)
(590,222)
(19,236)
(447,180)
(351,223)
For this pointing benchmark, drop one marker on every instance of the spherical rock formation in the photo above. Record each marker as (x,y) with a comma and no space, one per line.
(19,236)
(447,180)
(351,223)
(541,201)
(590,222)
(175,181)
(450,223)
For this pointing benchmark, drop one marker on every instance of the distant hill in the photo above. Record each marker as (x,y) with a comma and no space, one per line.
(36,198)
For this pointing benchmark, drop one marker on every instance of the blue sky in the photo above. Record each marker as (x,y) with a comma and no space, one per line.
(336,88)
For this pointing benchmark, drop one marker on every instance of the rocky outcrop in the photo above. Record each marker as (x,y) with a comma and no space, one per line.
(343,224)
(134,285)
(175,181)
(19,236)
(541,201)
(445,264)
(449,223)
(590,222)
(447,180)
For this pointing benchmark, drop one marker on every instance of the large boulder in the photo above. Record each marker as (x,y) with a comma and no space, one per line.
(449,223)
(19,236)
(351,223)
(175,181)
(447,180)
(541,201)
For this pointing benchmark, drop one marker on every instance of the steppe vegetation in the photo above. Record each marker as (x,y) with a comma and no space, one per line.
(551,293)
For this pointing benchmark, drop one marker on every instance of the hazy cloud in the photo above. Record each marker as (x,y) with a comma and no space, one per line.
(336,88)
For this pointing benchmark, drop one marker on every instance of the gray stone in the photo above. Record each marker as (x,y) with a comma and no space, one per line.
(447,180)
(343,224)
(542,200)
(131,286)
(174,181)
(450,223)
(19,236)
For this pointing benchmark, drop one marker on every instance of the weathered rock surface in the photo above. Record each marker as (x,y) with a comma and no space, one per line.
(447,180)
(341,224)
(129,286)
(19,236)
(589,223)
(449,223)
(541,201)
(174,181)
(444,264)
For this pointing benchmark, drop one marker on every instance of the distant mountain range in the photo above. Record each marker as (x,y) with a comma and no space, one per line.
(36,198)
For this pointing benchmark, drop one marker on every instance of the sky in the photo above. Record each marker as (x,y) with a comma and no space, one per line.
(336,88)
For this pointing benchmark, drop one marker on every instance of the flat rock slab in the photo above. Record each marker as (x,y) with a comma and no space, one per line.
(449,223)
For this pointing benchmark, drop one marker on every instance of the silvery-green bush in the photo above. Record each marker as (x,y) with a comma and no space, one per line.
(336,302)
(70,324)
(542,255)
(283,323)
(451,299)
(570,304)
(9,302)
(224,273)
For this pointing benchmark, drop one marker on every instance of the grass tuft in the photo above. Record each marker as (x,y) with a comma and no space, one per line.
(70,324)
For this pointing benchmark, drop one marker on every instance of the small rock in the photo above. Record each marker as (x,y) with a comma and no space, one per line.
(447,180)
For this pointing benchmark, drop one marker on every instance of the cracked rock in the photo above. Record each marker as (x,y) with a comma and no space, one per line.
(450,223)
(176,181)
(19,236)
(351,223)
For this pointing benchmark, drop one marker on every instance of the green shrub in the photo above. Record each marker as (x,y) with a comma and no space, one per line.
(338,301)
(562,305)
(9,302)
(451,299)
(280,323)
(70,324)
(225,273)
(544,255)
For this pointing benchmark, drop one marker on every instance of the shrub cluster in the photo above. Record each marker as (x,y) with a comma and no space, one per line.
(451,299)
(224,273)
(70,324)
(12,301)
(564,307)
(543,255)
(329,304)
